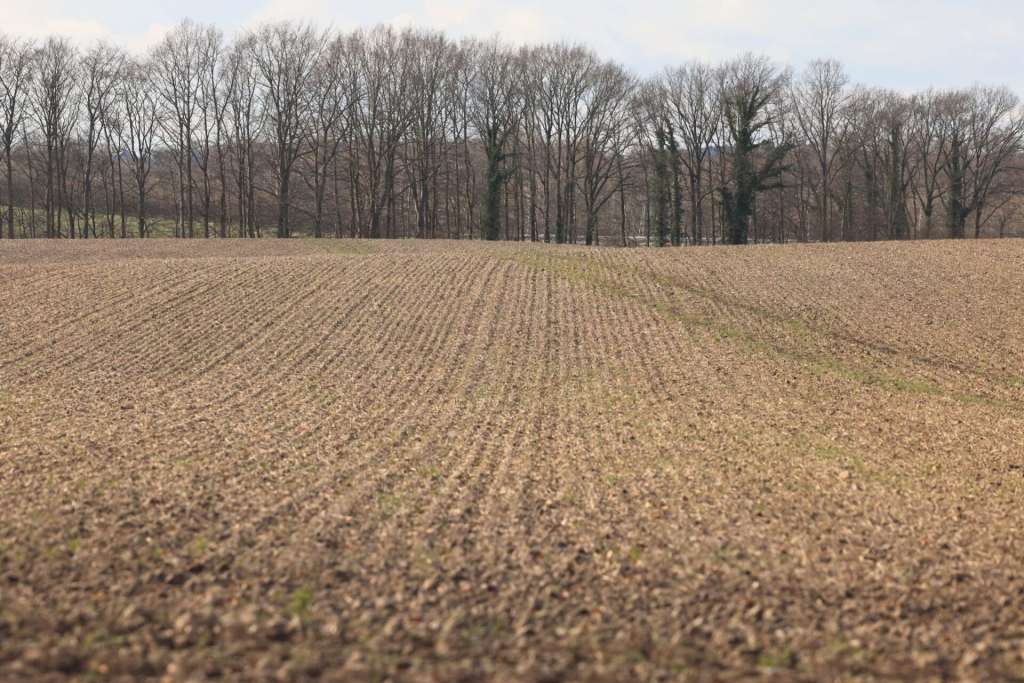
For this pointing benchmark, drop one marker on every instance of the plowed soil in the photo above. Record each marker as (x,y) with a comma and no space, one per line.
(444,461)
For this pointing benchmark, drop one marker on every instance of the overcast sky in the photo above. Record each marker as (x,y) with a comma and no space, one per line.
(903,44)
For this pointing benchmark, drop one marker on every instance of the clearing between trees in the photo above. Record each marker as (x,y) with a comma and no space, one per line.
(458,461)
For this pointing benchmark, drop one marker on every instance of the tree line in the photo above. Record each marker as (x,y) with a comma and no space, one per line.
(289,129)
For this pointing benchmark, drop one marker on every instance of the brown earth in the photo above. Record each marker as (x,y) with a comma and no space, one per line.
(443,461)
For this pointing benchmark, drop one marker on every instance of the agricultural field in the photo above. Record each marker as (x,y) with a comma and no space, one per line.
(420,461)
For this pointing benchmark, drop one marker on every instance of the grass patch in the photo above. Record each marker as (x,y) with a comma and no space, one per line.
(774,660)
(200,546)
(299,602)
(389,504)
(576,269)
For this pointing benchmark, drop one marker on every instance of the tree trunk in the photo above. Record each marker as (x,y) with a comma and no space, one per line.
(492,204)
(10,195)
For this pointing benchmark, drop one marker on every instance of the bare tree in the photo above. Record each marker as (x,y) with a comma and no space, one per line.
(382,116)
(985,131)
(463,196)
(929,148)
(433,57)
(878,146)
(541,80)
(177,77)
(101,68)
(218,89)
(285,56)
(653,131)
(55,110)
(246,116)
(141,118)
(695,108)
(564,79)
(557,76)
(114,141)
(819,96)
(211,103)
(605,140)
(331,94)
(15,82)
(898,167)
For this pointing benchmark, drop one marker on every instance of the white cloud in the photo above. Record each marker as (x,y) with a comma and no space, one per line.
(404,20)
(904,44)
(281,10)
(450,14)
(140,42)
(43,18)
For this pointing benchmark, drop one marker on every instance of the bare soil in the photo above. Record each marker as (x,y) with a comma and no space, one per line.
(455,461)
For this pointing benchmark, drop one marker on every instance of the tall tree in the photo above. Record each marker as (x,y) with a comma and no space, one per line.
(382,116)
(332,94)
(819,96)
(605,140)
(929,144)
(432,64)
(101,68)
(177,78)
(985,132)
(751,91)
(55,109)
(140,111)
(652,126)
(15,82)
(285,56)
(695,108)
(246,121)
(495,106)
(211,104)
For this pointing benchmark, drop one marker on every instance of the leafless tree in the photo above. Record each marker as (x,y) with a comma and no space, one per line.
(653,131)
(566,76)
(140,110)
(898,167)
(540,78)
(218,92)
(285,56)
(695,107)
(985,131)
(605,140)
(463,198)
(211,103)
(55,110)
(101,69)
(332,93)
(177,77)
(246,119)
(431,68)
(929,149)
(819,96)
(878,147)
(15,83)
(381,117)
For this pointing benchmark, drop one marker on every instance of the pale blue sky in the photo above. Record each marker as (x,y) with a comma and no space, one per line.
(903,44)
